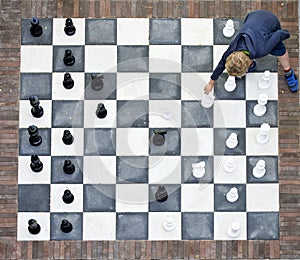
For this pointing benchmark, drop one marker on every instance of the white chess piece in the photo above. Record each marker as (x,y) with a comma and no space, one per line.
(230,165)
(232,195)
(230,84)
(169,224)
(265,81)
(207,100)
(228,30)
(260,108)
(260,169)
(167,112)
(263,135)
(232,141)
(234,230)
(198,169)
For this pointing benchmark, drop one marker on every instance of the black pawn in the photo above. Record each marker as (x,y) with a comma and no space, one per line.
(33,227)
(159,137)
(68,197)
(69,167)
(69,27)
(68,81)
(36,110)
(67,137)
(101,111)
(97,81)
(66,226)
(161,194)
(69,59)
(34,138)
(36,165)
(36,30)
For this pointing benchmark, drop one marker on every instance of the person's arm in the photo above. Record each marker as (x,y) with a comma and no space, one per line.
(208,88)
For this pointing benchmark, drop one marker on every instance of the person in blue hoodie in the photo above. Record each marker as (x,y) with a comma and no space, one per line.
(261,34)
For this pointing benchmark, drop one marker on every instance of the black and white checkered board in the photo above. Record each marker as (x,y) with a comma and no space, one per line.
(154,71)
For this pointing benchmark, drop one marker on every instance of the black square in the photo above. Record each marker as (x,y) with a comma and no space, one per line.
(268,62)
(219,24)
(132,113)
(101,31)
(165,86)
(133,58)
(197,58)
(58,59)
(194,115)
(132,226)
(197,226)
(99,197)
(165,31)
(99,141)
(34,198)
(262,225)
(132,169)
(67,113)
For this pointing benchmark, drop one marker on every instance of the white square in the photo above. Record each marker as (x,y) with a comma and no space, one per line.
(196,31)
(156,230)
(99,169)
(197,141)
(58,205)
(165,169)
(59,92)
(165,113)
(61,38)
(36,58)
(224,111)
(92,121)
(133,31)
(100,58)
(42,218)
(133,86)
(99,226)
(262,197)
(192,85)
(218,51)
(197,197)
(132,197)
(58,147)
(132,141)
(238,175)
(223,221)
(26,118)
(28,176)
(165,58)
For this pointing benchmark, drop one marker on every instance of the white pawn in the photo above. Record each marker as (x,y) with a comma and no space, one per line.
(230,165)
(232,195)
(228,30)
(167,112)
(265,81)
(260,169)
(263,135)
(260,108)
(230,84)
(169,224)
(207,100)
(232,141)
(198,169)
(234,230)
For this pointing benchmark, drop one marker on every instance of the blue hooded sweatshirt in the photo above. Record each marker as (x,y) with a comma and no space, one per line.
(260,34)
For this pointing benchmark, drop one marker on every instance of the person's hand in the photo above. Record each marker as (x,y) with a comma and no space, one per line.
(208,88)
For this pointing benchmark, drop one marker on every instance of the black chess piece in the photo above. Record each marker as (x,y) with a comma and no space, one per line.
(69,27)
(97,81)
(66,226)
(159,137)
(36,110)
(68,81)
(67,137)
(34,137)
(36,30)
(68,197)
(33,227)
(101,111)
(69,167)
(69,59)
(36,165)
(161,194)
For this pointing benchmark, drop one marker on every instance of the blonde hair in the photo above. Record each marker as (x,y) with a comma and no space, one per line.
(237,63)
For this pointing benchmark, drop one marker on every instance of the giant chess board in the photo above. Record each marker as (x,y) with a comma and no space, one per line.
(149,74)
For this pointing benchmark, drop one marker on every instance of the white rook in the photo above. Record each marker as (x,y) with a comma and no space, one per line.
(228,30)
(263,135)
(232,195)
(169,224)
(260,169)
(234,230)
(260,108)
(230,84)
(230,165)
(265,81)
(198,169)
(232,141)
